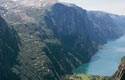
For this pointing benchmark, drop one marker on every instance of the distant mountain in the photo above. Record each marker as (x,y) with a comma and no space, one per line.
(104,24)
(47,43)
(112,19)
(120,21)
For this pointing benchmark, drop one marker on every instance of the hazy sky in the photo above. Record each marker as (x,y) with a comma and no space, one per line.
(111,6)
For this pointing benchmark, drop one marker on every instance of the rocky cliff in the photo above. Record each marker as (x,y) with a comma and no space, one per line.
(9,49)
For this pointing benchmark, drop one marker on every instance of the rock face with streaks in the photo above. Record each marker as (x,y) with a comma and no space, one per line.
(48,43)
(120,73)
(9,50)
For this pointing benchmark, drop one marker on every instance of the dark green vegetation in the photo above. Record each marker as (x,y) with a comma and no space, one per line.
(9,49)
(48,43)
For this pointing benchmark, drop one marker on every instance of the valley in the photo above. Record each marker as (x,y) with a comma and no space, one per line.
(49,42)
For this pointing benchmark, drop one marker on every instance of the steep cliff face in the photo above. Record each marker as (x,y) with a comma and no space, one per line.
(48,43)
(78,34)
(120,73)
(9,50)
(69,28)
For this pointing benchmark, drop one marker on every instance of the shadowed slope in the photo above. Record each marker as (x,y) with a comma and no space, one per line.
(8,51)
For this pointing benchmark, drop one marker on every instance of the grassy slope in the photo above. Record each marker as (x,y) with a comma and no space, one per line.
(86,77)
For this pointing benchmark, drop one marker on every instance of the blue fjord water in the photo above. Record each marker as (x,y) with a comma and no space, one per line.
(107,59)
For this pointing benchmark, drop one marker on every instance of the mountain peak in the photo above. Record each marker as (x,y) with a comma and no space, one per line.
(35,3)
(26,3)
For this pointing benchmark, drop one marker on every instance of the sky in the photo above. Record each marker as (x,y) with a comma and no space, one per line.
(110,6)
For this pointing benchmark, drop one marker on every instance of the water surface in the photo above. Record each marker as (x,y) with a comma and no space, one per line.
(107,59)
